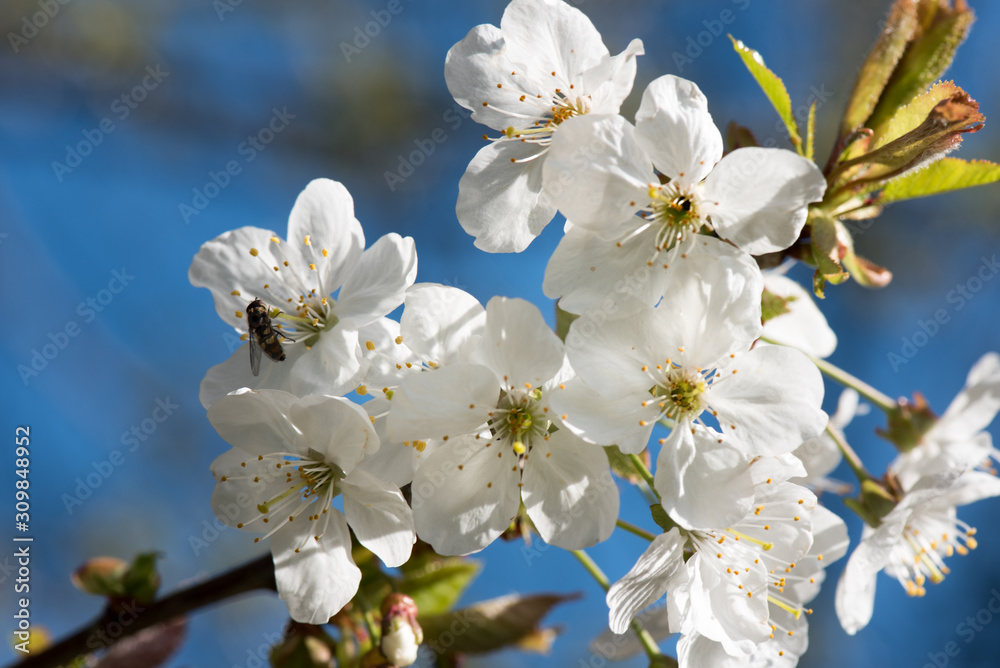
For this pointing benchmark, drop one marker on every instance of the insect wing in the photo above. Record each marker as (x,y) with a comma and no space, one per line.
(255,352)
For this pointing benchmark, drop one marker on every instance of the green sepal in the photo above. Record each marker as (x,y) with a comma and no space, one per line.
(662,519)
(563,320)
(772,305)
(908,422)
(810,132)
(877,499)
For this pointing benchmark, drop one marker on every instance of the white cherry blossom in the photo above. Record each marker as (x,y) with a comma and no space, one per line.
(546,63)
(722,589)
(913,539)
(689,360)
(321,278)
(604,175)
(291,458)
(790,590)
(490,412)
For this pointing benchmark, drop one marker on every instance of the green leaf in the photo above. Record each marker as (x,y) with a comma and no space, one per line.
(773,87)
(942,176)
(489,625)
(438,585)
(942,28)
(899,28)
(772,305)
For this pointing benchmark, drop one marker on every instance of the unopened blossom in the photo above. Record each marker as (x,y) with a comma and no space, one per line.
(689,361)
(544,64)
(323,281)
(629,225)
(291,458)
(499,444)
(719,582)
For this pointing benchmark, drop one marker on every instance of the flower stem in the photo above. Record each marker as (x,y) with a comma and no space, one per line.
(644,472)
(648,643)
(864,389)
(850,456)
(633,529)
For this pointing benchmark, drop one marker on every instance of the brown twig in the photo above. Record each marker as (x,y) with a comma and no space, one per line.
(126,620)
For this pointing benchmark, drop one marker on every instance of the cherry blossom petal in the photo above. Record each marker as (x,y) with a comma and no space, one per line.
(315,578)
(804,326)
(768,400)
(379,516)
(473,69)
(324,211)
(675,128)
(500,198)
(611,80)
(442,402)
(588,271)
(711,306)
(659,567)
(517,345)
(255,421)
(378,283)
(597,174)
(974,408)
(728,598)
(334,428)
(438,321)
(465,494)
(568,492)
(704,484)
(761,197)
(551,36)
(621,421)
(224,266)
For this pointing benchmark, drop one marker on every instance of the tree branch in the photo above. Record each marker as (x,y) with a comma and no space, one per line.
(128,619)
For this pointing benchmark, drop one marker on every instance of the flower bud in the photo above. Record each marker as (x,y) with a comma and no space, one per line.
(304,646)
(101,576)
(401,634)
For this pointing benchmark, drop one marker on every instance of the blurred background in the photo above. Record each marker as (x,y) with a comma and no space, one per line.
(167,93)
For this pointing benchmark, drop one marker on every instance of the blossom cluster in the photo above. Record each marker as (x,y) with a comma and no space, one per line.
(458,419)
